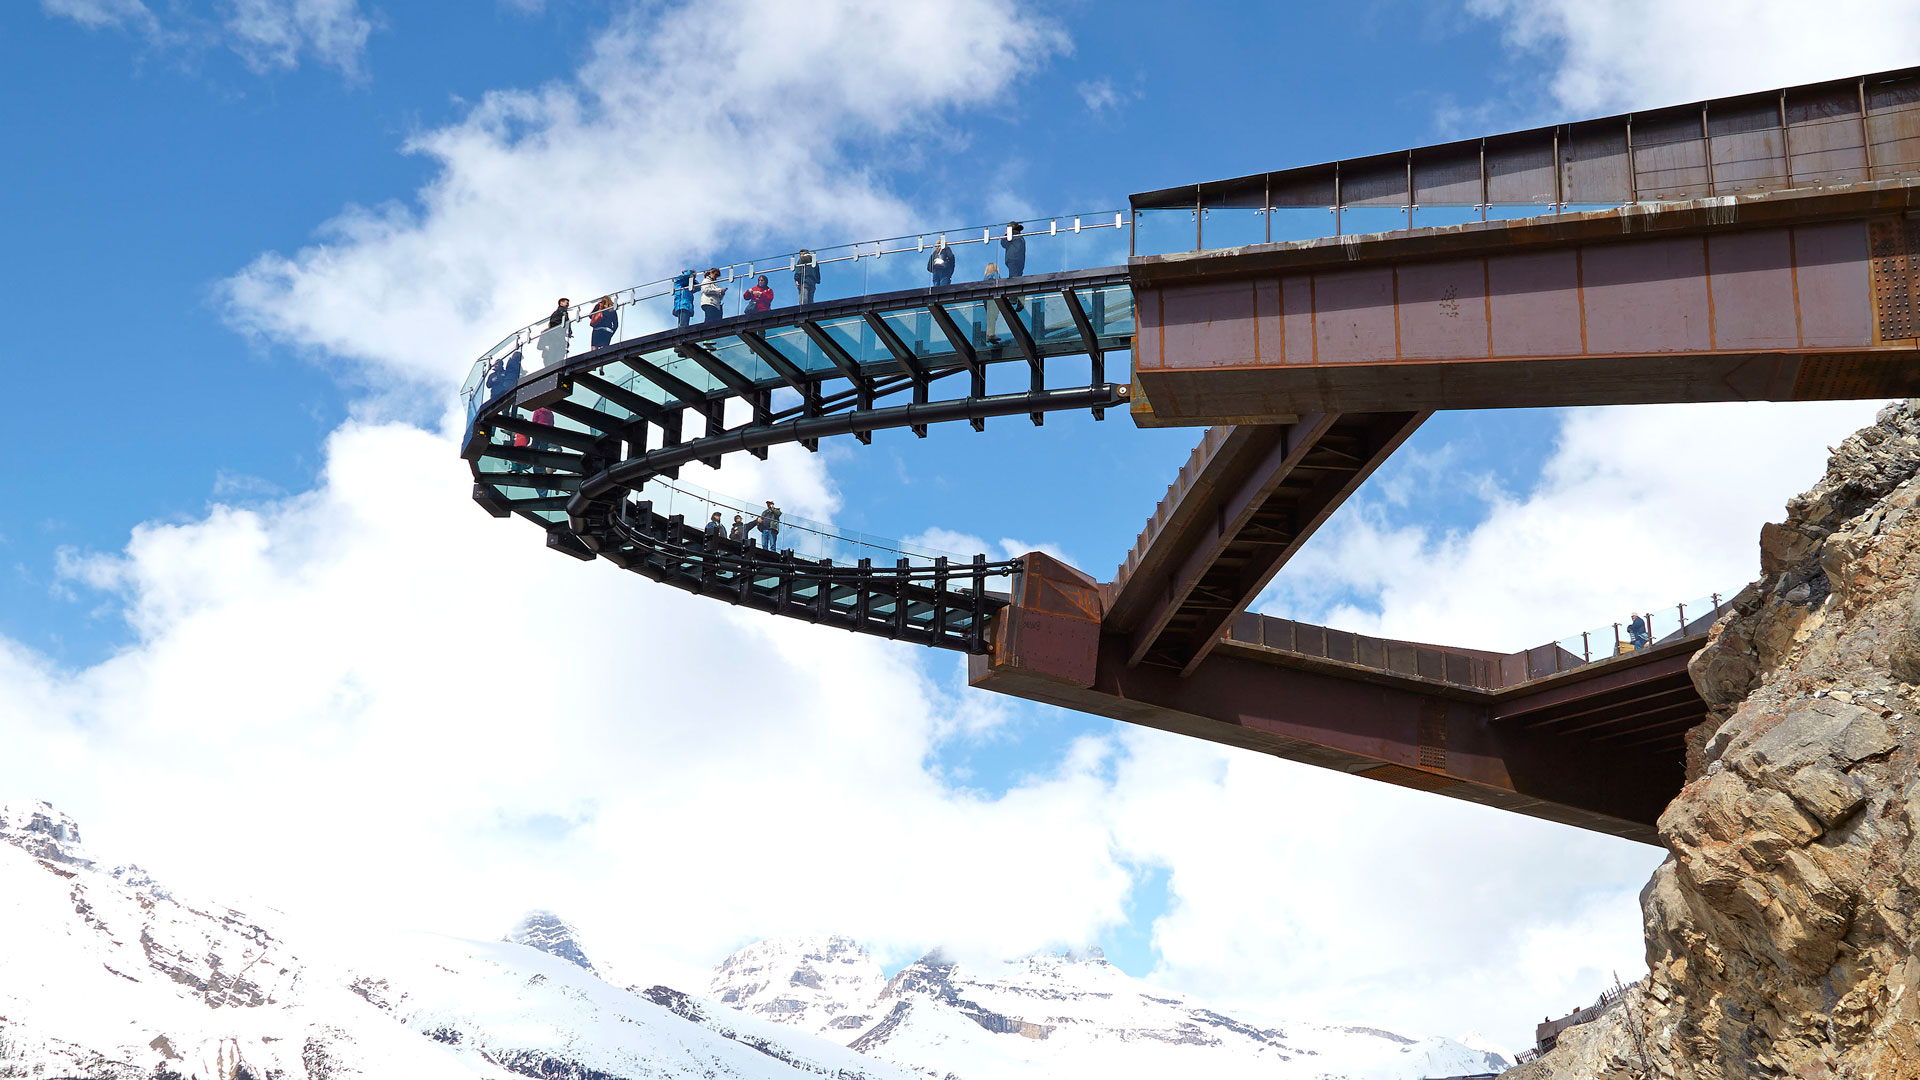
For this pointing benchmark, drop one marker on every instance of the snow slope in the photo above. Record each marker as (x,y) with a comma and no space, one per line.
(1054,1015)
(108,975)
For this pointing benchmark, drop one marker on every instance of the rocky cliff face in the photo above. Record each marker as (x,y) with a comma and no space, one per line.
(1780,930)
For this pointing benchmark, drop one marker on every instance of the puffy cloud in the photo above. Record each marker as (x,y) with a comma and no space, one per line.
(272,34)
(267,35)
(1637,509)
(372,701)
(686,127)
(1636,54)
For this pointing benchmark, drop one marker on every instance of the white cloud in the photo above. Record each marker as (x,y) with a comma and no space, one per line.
(1300,892)
(1630,54)
(687,128)
(1098,94)
(373,701)
(267,35)
(272,34)
(1638,508)
(98,13)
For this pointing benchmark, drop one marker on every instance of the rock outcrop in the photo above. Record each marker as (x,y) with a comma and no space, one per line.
(1780,930)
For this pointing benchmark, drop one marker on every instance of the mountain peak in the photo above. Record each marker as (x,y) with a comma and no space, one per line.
(43,832)
(551,934)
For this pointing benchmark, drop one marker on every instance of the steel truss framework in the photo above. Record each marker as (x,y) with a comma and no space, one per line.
(827,369)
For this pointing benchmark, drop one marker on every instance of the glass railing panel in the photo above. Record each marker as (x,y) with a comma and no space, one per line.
(1294,223)
(1163,232)
(1232,226)
(1517,211)
(1361,220)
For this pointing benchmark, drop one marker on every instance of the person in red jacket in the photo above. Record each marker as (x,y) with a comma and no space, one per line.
(760,297)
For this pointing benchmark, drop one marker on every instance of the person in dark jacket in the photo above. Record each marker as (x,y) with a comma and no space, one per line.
(1013,248)
(552,342)
(715,530)
(683,298)
(769,525)
(940,264)
(737,532)
(760,297)
(605,322)
(1637,633)
(504,375)
(806,275)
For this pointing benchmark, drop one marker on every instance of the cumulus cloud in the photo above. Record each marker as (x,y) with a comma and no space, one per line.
(273,34)
(1631,54)
(686,128)
(371,700)
(1637,509)
(267,35)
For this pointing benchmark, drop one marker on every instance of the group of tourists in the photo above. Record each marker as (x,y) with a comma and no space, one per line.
(767,523)
(707,290)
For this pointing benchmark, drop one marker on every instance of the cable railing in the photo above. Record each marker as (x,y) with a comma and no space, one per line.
(741,520)
(1010,249)
(1640,630)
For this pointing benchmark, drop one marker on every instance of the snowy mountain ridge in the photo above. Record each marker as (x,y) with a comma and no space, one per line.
(111,976)
(1051,1015)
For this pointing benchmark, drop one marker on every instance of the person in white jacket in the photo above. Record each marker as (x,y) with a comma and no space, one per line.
(713,296)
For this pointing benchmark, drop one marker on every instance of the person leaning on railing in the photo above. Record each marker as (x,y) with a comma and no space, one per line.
(605,322)
(806,275)
(769,525)
(553,340)
(1013,249)
(713,296)
(940,264)
(683,298)
(760,297)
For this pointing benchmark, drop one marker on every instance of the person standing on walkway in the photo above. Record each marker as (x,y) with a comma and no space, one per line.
(605,322)
(760,297)
(1013,249)
(713,296)
(553,340)
(806,275)
(683,298)
(1637,633)
(940,264)
(769,525)
(737,532)
(714,530)
(992,317)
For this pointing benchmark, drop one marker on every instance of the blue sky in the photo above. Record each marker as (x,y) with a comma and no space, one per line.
(250,264)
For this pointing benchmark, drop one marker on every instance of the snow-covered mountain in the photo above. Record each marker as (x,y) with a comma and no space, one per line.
(109,976)
(106,974)
(1054,1015)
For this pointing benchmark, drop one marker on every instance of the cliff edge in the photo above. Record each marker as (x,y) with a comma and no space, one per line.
(1781,928)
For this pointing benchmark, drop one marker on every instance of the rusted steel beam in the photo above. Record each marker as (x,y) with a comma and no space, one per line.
(1048,647)
(1741,308)
(1248,501)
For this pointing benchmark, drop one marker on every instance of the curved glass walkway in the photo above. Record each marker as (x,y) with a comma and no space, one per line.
(588,442)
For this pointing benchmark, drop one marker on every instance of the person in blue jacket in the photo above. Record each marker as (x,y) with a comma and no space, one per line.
(605,322)
(683,298)
(1014,249)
